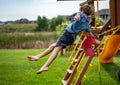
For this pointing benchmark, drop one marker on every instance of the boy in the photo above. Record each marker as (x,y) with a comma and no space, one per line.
(80,23)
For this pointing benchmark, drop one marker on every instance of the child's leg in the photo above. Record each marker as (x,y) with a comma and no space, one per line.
(50,60)
(47,51)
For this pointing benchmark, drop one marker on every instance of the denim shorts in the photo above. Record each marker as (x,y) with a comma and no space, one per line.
(65,39)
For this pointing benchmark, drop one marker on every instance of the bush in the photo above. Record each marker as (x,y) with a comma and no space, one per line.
(17,28)
(8,39)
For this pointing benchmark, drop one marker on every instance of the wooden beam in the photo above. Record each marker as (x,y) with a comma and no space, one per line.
(89,2)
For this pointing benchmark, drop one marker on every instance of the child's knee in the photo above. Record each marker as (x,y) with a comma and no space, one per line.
(52,46)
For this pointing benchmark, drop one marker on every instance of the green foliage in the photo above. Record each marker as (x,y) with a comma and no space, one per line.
(61,27)
(42,24)
(38,27)
(8,39)
(22,21)
(11,28)
(17,35)
(59,20)
(52,24)
(45,24)
(99,21)
(55,22)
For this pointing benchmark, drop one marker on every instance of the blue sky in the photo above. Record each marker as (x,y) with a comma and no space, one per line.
(16,9)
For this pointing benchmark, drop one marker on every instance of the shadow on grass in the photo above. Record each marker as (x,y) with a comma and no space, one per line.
(112,70)
(100,80)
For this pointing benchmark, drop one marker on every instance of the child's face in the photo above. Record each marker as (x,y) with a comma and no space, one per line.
(82,11)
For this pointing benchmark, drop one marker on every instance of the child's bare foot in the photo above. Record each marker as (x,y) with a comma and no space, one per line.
(33,58)
(42,70)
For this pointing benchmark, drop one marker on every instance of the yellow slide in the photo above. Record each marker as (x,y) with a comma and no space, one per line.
(111,47)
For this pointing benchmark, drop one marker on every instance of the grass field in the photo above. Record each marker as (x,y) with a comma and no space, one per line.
(15,69)
(11,28)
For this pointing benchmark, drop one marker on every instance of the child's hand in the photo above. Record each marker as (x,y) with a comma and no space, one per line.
(77,17)
(97,41)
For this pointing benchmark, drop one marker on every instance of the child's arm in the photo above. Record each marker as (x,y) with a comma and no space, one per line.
(96,40)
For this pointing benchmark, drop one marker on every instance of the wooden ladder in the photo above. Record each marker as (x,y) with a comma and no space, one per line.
(72,70)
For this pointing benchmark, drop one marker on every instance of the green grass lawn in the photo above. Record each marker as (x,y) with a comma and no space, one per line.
(15,69)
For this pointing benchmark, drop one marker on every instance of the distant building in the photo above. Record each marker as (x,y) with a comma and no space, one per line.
(2,23)
(9,22)
(104,14)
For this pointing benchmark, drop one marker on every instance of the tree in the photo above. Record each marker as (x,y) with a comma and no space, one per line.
(42,24)
(22,21)
(55,22)
(38,27)
(59,20)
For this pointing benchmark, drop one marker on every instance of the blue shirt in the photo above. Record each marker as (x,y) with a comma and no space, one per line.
(76,27)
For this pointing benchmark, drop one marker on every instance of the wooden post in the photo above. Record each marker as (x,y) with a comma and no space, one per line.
(115,12)
(61,52)
(93,14)
(118,12)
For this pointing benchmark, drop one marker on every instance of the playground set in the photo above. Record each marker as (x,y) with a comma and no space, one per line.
(87,47)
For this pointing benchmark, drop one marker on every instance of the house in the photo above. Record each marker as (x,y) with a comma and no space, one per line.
(104,14)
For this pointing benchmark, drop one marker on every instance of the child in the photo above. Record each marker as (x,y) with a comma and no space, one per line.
(80,23)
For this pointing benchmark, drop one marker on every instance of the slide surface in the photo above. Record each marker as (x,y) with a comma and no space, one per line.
(111,47)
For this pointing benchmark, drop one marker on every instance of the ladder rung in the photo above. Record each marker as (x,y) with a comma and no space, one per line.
(81,49)
(69,71)
(64,82)
(75,60)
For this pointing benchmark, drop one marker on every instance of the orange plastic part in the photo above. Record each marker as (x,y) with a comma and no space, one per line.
(110,49)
